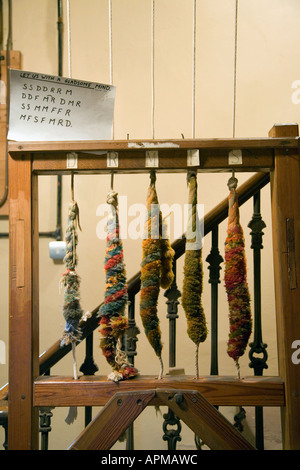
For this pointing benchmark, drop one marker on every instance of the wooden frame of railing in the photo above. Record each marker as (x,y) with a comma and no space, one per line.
(251,188)
(27,390)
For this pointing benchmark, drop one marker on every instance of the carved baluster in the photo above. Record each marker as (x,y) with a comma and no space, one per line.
(130,349)
(172,436)
(4,424)
(132,330)
(214,259)
(172,294)
(257,346)
(45,415)
(88,367)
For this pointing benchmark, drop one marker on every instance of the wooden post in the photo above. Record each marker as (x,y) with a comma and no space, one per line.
(285,198)
(23,308)
(15,63)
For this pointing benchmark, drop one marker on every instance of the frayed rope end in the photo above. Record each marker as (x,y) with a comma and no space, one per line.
(72,415)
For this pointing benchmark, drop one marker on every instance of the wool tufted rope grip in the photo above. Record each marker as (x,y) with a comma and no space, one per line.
(113,322)
(191,299)
(156,269)
(235,277)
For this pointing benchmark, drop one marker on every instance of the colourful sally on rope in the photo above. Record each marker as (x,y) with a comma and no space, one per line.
(156,269)
(236,280)
(113,322)
(193,274)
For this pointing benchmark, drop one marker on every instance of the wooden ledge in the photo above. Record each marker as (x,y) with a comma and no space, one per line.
(97,390)
(52,157)
(152,144)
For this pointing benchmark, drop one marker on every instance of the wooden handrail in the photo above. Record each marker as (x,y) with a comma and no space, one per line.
(214,217)
(96,390)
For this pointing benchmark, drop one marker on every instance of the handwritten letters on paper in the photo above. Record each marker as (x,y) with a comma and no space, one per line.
(47,107)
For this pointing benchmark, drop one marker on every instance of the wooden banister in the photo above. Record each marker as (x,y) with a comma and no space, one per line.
(55,353)
(285,198)
(96,390)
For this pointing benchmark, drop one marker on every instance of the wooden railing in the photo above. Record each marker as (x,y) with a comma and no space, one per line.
(28,390)
(250,189)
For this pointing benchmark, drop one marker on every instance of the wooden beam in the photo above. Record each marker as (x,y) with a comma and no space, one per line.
(150,144)
(15,63)
(51,157)
(204,419)
(169,160)
(113,420)
(97,390)
(285,197)
(23,306)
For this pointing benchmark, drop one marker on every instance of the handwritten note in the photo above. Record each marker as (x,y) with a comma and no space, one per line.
(47,108)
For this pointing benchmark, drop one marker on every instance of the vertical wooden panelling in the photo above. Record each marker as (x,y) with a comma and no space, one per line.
(173,69)
(89,40)
(23,308)
(131,67)
(285,192)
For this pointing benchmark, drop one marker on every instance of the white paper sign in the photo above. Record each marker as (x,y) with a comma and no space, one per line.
(47,108)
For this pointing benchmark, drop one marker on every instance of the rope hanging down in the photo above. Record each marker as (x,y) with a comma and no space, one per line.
(113,322)
(193,275)
(72,310)
(156,269)
(236,280)
(152,68)
(69,39)
(235,68)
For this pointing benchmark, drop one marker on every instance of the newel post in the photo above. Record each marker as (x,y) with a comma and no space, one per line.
(23,305)
(285,200)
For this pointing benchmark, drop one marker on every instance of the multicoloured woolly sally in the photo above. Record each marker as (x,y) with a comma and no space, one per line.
(113,321)
(191,299)
(156,269)
(236,280)
(72,310)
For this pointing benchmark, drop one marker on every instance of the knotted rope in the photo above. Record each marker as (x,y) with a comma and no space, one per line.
(72,310)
